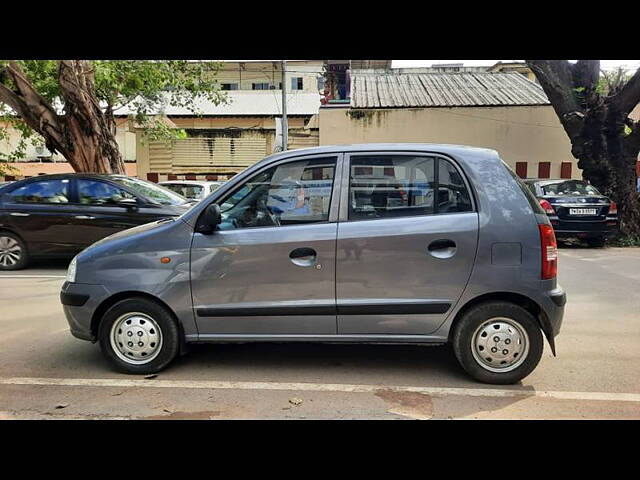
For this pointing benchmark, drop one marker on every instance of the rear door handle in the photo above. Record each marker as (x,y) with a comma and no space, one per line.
(303,257)
(443,248)
(84,217)
(19,214)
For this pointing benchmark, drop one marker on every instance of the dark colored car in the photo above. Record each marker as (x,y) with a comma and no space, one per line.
(576,209)
(60,215)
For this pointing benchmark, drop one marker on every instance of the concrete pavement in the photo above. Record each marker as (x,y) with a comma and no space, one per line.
(596,373)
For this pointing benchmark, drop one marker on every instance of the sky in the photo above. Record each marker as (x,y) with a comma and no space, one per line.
(604,64)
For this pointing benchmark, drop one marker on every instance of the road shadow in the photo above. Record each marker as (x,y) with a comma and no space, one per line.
(577,244)
(48,264)
(393,365)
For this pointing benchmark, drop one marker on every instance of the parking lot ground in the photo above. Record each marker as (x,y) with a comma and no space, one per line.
(46,373)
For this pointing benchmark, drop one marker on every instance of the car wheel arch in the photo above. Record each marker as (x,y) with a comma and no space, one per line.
(516,298)
(13,232)
(107,303)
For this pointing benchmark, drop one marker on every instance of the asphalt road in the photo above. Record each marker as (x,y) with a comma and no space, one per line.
(46,373)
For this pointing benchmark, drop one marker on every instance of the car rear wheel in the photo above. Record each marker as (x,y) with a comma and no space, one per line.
(13,252)
(138,335)
(498,343)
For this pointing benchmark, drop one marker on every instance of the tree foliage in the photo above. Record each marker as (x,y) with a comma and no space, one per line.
(594,108)
(71,105)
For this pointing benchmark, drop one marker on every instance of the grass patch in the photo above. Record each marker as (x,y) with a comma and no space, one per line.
(624,241)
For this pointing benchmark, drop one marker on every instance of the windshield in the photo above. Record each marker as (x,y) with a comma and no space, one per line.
(155,193)
(192,192)
(569,187)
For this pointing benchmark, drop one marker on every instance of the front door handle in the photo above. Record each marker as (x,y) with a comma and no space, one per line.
(19,214)
(303,257)
(84,217)
(443,248)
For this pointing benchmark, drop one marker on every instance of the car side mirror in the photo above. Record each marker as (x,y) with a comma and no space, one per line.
(209,219)
(128,203)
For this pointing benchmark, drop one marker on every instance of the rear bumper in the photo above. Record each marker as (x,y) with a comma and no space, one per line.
(552,314)
(583,229)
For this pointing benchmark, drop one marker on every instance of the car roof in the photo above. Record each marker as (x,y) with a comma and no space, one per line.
(52,176)
(373,147)
(544,181)
(192,182)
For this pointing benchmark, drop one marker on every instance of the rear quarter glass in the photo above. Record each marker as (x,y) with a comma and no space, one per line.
(533,201)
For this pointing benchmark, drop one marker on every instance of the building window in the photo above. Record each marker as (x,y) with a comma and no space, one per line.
(521,169)
(296,83)
(260,86)
(544,169)
(229,86)
(565,170)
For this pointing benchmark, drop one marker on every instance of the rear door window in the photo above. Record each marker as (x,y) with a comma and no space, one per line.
(384,186)
(43,191)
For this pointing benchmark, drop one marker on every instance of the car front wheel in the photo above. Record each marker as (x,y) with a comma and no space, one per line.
(498,342)
(139,336)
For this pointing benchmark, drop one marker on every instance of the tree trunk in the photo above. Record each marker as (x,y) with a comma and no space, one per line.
(84,135)
(90,131)
(595,124)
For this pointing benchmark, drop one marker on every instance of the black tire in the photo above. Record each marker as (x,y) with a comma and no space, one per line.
(474,318)
(23,261)
(170,333)
(596,242)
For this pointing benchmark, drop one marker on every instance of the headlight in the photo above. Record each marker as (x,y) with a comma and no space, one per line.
(71,271)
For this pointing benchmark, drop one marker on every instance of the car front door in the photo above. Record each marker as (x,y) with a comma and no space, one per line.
(98,211)
(270,267)
(407,238)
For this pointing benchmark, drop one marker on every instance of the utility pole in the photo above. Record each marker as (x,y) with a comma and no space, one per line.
(285,123)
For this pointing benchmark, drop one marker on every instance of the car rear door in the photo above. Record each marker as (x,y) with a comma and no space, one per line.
(41,212)
(407,238)
(270,267)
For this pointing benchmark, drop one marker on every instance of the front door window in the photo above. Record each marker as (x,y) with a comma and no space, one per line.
(288,194)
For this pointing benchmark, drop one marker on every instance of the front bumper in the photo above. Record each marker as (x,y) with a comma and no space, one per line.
(79,302)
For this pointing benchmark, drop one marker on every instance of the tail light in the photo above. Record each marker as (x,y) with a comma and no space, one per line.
(613,208)
(546,206)
(549,252)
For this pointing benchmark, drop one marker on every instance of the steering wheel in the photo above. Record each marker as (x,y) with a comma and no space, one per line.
(262,206)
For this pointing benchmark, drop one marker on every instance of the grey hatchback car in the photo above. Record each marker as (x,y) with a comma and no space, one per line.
(376,243)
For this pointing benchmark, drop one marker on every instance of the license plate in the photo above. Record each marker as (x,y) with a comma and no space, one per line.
(582,211)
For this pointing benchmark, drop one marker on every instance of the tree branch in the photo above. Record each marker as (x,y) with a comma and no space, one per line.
(32,108)
(556,79)
(586,73)
(629,96)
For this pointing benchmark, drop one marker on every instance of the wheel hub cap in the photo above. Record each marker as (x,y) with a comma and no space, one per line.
(10,251)
(500,345)
(136,338)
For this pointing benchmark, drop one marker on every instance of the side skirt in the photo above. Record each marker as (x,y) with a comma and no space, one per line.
(384,339)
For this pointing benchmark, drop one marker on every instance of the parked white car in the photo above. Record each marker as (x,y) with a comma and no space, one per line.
(192,189)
